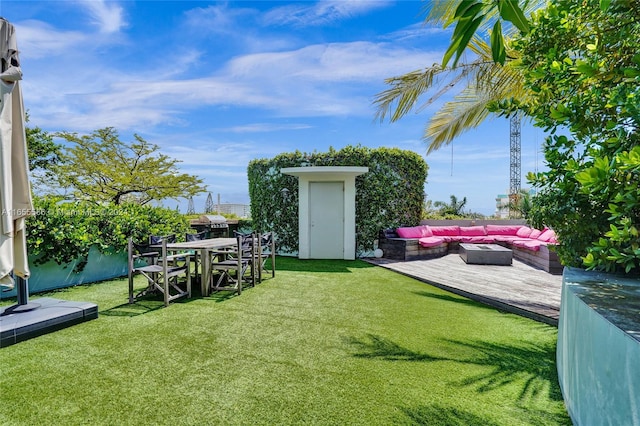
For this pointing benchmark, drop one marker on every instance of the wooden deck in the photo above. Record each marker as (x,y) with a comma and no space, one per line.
(520,289)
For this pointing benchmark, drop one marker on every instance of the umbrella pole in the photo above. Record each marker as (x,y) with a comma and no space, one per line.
(23,304)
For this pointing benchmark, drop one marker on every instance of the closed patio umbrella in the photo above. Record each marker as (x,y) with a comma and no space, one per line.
(15,193)
(23,320)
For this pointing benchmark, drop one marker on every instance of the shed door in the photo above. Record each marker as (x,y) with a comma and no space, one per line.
(326,220)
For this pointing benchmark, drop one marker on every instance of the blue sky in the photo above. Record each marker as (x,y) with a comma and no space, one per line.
(217,84)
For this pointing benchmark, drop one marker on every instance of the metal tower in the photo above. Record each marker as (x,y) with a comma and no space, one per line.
(515,148)
(208,206)
(191,209)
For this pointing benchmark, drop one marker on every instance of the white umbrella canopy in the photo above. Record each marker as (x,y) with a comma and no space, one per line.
(15,193)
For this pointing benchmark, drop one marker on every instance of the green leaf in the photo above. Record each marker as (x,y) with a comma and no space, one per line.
(468,22)
(466,37)
(604,4)
(510,11)
(497,44)
(467,9)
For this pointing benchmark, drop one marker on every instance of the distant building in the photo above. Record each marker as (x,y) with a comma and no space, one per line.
(502,206)
(241,210)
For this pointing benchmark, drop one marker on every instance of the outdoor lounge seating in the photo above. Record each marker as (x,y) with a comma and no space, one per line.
(531,246)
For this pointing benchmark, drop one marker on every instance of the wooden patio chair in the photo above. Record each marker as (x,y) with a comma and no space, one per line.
(266,249)
(158,239)
(195,257)
(174,260)
(231,266)
(161,276)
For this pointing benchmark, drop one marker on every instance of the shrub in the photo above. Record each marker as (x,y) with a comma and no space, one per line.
(63,232)
(581,60)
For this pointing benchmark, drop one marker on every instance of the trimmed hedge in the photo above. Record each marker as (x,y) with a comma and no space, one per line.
(391,194)
(64,232)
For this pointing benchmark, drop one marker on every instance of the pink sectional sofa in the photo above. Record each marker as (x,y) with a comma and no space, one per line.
(532,246)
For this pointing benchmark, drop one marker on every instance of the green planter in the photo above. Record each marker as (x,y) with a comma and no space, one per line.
(51,276)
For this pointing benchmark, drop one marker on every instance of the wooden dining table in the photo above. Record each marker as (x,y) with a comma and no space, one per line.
(205,247)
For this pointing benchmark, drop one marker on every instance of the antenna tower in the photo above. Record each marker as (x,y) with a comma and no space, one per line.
(515,148)
(191,209)
(208,207)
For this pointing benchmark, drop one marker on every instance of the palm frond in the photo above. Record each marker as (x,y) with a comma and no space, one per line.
(491,82)
(465,112)
(404,92)
(486,82)
(503,81)
(441,11)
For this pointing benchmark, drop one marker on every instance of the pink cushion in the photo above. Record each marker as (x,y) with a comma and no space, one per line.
(547,235)
(472,231)
(452,230)
(430,241)
(478,239)
(524,232)
(503,229)
(520,243)
(503,238)
(534,245)
(426,231)
(410,232)
(535,233)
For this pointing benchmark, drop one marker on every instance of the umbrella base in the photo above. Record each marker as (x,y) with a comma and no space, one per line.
(16,309)
(18,324)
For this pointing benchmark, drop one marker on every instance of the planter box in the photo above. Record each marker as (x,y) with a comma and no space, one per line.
(598,353)
(52,276)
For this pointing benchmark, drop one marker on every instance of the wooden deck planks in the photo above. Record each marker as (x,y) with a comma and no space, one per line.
(520,288)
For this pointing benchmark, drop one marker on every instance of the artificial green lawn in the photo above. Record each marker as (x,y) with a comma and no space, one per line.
(324,342)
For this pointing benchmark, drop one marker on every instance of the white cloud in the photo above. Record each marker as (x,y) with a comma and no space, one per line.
(318,80)
(265,127)
(320,13)
(39,40)
(108,16)
(219,18)
(418,30)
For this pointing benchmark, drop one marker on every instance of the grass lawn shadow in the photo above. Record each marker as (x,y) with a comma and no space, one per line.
(445,416)
(379,347)
(319,265)
(455,299)
(133,309)
(533,366)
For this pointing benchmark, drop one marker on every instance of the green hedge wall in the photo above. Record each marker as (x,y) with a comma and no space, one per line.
(64,232)
(391,194)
